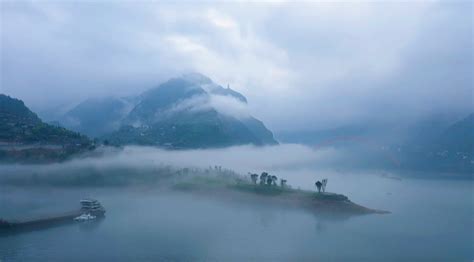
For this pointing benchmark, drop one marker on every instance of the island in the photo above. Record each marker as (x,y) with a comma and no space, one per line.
(268,192)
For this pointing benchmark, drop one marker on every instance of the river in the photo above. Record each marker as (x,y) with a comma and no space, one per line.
(431,220)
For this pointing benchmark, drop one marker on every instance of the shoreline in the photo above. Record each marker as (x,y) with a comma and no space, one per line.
(322,203)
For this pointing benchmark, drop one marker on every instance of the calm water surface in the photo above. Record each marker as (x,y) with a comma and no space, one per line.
(431,220)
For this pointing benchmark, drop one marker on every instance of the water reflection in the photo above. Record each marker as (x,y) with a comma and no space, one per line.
(89,226)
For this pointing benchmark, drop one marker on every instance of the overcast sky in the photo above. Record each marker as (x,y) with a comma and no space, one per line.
(301,65)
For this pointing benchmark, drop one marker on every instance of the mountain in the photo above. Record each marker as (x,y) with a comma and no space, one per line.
(450,151)
(459,137)
(327,137)
(98,116)
(190,111)
(435,144)
(400,132)
(22,132)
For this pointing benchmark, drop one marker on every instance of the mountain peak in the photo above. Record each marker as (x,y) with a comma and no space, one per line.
(189,111)
(201,81)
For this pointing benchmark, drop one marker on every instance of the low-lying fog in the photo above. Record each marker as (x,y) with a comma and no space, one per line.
(238,158)
(431,219)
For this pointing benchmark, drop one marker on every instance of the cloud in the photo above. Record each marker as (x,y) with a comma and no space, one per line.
(239,158)
(332,63)
(135,162)
(220,20)
(230,106)
(225,105)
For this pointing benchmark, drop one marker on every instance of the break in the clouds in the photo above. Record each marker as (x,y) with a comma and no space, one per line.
(301,65)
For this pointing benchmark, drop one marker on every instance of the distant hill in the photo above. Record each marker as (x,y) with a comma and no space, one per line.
(450,151)
(433,144)
(98,116)
(325,137)
(180,113)
(459,137)
(22,133)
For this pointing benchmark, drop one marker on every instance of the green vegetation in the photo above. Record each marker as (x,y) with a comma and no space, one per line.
(329,196)
(203,183)
(24,137)
(40,133)
(267,186)
(19,125)
(261,190)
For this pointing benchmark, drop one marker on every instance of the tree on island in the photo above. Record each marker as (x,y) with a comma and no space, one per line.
(283,182)
(254,178)
(266,179)
(318,185)
(269,180)
(274,180)
(263,178)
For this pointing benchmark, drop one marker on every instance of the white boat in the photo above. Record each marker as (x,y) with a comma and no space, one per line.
(85,217)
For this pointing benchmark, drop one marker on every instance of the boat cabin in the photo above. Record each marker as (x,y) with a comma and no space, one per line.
(90,204)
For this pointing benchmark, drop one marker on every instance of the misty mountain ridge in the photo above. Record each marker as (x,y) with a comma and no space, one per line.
(459,137)
(436,143)
(451,150)
(190,111)
(97,116)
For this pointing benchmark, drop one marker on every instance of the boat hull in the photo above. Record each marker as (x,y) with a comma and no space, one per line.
(67,217)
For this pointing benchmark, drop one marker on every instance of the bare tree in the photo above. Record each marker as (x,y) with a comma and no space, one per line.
(324,182)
